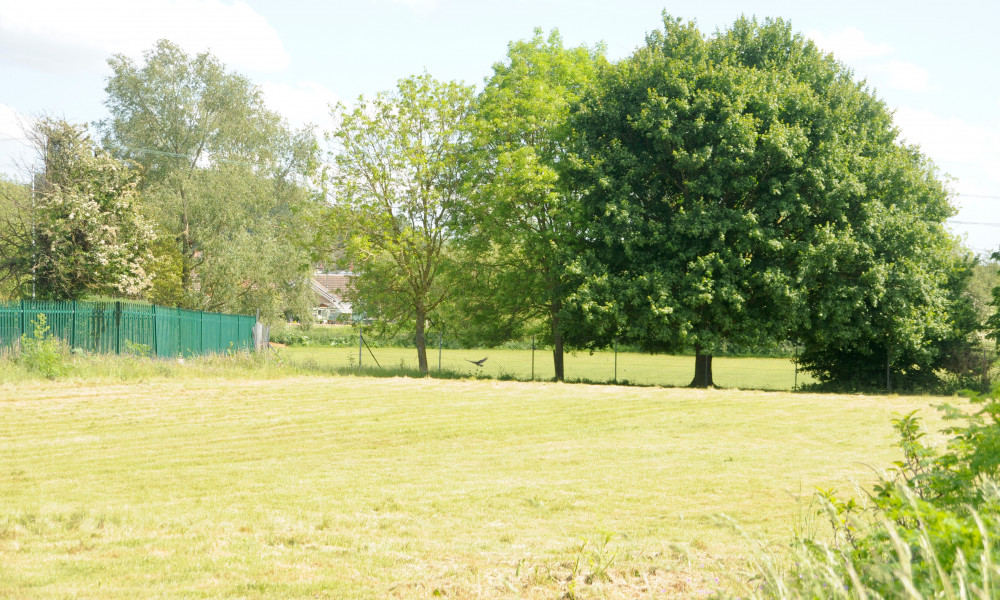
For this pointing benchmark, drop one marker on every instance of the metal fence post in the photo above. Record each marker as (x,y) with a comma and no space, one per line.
(795,384)
(532,358)
(616,360)
(118,327)
(155,345)
(72,327)
(440,347)
(361,341)
(888,382)
(704,360)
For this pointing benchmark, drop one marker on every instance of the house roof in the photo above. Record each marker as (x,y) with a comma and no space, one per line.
(338,283)
(329,289)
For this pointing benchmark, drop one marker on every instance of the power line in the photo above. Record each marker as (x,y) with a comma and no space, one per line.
(973,223)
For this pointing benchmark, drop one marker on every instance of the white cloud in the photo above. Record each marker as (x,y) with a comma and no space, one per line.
(417,5)
(12,124)
(903,75)
(302,103)
(950,140)
(66,35)
(972,154)
(871,60)
(849,45)
(15,151)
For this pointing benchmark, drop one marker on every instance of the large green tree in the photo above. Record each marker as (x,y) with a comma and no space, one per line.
(521,225)
(79,230)
(744,188)
(226,180)
(398,183)
(15,234)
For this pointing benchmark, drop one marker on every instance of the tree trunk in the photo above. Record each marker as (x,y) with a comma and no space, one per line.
(702,369)
(421,341)
(557,340)
(187,252)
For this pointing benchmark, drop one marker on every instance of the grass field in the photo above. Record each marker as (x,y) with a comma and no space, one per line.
(341,487)
(630,367)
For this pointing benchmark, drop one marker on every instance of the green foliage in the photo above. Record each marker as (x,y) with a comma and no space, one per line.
(745,188)
(291,334)
(137,349)
(15,235)
(80,231)
(984,279)
(400,182)
(226,181)
(993,321)
(43,353)
(930,529)
(520,224)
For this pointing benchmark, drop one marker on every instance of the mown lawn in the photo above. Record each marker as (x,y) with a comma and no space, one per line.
(604,366)
(340,487)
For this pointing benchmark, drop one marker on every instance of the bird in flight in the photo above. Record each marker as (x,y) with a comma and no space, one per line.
(479,362)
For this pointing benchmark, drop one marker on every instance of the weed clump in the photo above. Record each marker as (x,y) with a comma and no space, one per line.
(42,352)
(929,529)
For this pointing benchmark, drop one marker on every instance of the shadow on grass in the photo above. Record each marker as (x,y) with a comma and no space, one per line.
(313,367)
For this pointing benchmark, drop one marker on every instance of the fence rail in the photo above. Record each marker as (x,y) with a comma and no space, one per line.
(118,327)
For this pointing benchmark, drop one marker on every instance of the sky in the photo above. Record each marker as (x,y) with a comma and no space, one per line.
(934,63)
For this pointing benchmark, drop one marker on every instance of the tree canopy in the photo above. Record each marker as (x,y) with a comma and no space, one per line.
(224,178)
(521,222)
(744,188)
(79,230)
(399,181)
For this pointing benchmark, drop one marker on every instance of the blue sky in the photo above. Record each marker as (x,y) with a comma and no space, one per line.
(934,63)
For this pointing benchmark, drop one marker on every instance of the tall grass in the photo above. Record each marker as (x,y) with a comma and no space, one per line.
(15,369)
(813,569)
(930,528)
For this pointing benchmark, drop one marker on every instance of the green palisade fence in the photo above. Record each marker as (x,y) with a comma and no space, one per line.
(120,327)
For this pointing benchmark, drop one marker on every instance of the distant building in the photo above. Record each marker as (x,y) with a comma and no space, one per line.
(330,290)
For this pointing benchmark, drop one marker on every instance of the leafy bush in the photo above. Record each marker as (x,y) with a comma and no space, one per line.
(291,334)
(43,353)
(928,529)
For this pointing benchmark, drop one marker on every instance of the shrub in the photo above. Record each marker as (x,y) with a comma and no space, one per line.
(43,353)
(319,335)
(929,529)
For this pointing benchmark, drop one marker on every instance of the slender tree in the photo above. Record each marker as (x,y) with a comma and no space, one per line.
(398,182)
(521,224)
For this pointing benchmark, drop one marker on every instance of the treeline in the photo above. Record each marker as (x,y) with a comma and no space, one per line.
(734,189)
(193,194)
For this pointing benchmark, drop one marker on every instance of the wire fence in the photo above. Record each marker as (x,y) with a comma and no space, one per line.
(122,327)
(527,360)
